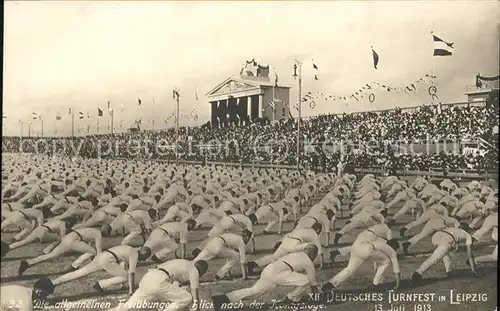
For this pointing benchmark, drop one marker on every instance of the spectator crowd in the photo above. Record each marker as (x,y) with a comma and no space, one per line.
(359,140)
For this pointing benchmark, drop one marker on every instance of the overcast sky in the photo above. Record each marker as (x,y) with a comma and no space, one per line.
(83,54)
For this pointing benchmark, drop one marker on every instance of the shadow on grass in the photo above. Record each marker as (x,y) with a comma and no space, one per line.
(7,259)
(68,254)
(89,295)
(28,277)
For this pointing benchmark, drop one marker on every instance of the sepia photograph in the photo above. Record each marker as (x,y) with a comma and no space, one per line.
(250,155)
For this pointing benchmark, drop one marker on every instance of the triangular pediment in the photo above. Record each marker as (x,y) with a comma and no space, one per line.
(232,85)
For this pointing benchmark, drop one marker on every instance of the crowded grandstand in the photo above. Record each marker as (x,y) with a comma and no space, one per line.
(258,208)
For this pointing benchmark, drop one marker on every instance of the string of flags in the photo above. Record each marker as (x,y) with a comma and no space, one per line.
(191,115)
(368,91)
(441,48)
(172,115)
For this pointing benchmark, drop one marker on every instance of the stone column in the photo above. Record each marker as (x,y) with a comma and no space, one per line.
(261,99)
(249,107)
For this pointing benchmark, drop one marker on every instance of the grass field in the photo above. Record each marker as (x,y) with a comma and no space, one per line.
(460,281)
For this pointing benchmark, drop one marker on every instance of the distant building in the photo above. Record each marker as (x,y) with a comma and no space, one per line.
(255,94)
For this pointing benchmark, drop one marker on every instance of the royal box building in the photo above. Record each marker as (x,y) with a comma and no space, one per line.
(254,94)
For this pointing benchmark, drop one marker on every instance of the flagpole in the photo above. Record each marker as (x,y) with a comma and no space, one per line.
(112,120)
(177,128)
(72,122)
(300,114)
(29,130)
(41,119)
(274,107)
(432,75)
(153,116)
(97,129)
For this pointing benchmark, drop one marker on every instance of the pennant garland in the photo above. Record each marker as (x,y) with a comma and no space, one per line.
(172,115)
(368,91)
(194,114)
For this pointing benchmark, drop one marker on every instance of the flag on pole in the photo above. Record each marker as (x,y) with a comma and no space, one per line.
(110,109)
(375,58)
(58,118)
(139,101)
(441,47)
(35,116)
(275,78)
(4,116)
(175,94)
(99,112)
(80,115)
(196,92)
(315,71)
